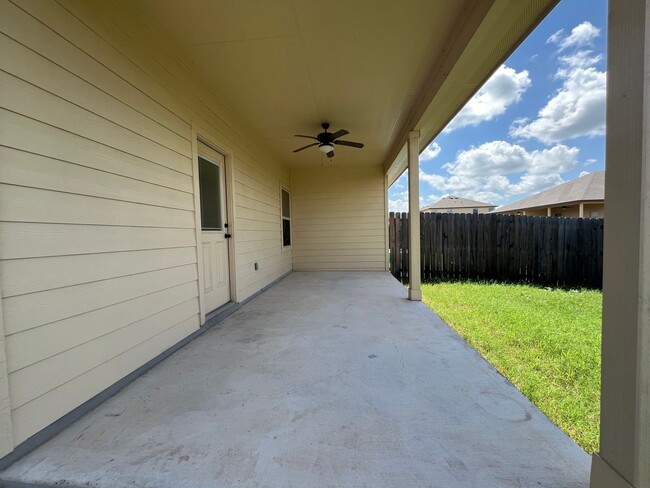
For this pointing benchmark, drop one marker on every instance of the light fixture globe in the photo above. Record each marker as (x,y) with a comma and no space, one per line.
(325,148)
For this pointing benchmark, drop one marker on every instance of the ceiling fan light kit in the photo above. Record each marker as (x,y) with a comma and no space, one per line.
(326,140)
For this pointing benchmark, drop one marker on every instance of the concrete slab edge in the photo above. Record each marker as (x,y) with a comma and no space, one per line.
(71,417)
(604,476)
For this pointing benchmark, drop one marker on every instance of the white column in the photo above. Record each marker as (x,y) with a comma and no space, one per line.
(624,457)
(548,212)
(386,224)
(415,293)
(581,210)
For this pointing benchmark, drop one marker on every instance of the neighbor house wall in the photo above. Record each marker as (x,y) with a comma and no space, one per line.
(566,211)
(469,210)
(594,207)
(338,218)
(98,257)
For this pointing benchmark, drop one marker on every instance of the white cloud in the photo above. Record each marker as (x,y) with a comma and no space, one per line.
(500,158)
(578,107)
(555,38)
(583,173)
(581,35)
(430,152)
(504,88)
(482,172)
(578,59)
(400,203)
(435,181)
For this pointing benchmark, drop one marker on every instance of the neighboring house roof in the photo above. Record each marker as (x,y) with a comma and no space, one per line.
(457,202)
(587,188)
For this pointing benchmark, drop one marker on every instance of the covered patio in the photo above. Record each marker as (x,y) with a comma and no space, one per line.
(150,174)
(325,379)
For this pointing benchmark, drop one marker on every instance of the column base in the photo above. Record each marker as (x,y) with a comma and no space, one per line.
(415,295)
(604,476)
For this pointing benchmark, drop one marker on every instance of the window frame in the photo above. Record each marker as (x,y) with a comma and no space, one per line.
(286,247)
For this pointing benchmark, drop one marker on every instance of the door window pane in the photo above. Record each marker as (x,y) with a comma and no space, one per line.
(210,190)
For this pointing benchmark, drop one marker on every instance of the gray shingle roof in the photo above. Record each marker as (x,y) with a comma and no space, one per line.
(587,188)
(457,202)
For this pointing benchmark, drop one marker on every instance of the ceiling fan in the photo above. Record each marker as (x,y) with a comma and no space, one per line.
(327,139)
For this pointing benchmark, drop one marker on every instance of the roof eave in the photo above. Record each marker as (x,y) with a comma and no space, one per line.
(489,34)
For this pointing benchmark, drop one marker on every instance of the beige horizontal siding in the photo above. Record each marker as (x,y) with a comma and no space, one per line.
(47,408)
(64,147)
(57,36)
(338,218)
(33,345)
(21,204)
(35,380)
(40,274)
(28,239)
(98,261)
(59,303)
(258,232)
(24,98)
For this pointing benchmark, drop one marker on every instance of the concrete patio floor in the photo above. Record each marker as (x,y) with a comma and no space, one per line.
(325,380)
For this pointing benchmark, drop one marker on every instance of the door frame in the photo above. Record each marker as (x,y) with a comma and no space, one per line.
(200,134)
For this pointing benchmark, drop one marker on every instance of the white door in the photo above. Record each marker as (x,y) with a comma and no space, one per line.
(214,228)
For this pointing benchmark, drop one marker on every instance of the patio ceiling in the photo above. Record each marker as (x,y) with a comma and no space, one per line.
(375,68)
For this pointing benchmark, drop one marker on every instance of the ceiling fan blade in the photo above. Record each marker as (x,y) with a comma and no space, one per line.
(339,133)
(307,137)
(349,143)
(305,147)
(330,154)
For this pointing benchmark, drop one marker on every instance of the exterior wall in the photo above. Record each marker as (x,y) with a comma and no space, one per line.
(457,210)
(566,211)
(534,212)
(594,207)
(258,232)
(339,218)
(98,256)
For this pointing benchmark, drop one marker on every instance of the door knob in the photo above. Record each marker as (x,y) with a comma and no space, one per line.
(227,236)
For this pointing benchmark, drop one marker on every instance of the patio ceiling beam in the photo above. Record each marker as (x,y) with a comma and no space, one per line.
(413,145)
(624,456)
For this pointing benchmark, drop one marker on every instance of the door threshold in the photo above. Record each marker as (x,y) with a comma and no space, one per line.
(218,314)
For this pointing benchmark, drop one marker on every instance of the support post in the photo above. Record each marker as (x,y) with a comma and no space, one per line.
(548,212)
(415,292)
(386,224)
(581,211)
(624,456)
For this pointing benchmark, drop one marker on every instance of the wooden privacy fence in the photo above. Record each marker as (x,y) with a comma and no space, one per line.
(545,250)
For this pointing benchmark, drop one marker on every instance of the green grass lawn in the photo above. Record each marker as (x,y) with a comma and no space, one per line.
(545,341)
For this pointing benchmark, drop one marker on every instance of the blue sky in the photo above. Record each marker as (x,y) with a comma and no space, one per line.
(537,122)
